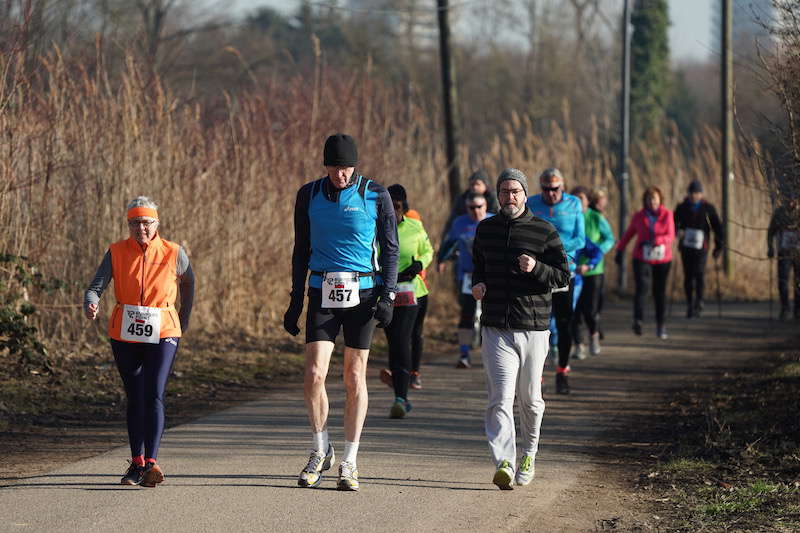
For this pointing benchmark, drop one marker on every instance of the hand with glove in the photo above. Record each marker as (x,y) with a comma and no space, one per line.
(292,315)
(619,257)
(717,252)
(410,273)
(384,309)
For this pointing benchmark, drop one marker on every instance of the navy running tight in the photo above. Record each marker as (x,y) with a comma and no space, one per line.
(144,369)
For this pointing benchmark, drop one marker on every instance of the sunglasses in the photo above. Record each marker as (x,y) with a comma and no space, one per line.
(476,207)
(551,189)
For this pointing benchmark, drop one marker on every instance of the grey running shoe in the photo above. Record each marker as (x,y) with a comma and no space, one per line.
(504,476)
(311,476)
(348,477)
(661,333)
(580,351)
(463,362)
(526,470)
(594,344)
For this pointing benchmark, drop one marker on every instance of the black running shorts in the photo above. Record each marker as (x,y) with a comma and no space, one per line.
(357,322)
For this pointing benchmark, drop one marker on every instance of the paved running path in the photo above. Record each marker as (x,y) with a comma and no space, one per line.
(236,470)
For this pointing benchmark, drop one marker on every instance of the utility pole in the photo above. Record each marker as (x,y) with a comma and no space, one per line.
(727,130)
(450,97)
(625,133)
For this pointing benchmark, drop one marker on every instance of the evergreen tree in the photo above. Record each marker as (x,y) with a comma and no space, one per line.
(650,73)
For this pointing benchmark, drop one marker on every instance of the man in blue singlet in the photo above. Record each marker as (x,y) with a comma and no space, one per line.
(340,221)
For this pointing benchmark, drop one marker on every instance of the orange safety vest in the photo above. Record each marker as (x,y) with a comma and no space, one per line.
(148,277)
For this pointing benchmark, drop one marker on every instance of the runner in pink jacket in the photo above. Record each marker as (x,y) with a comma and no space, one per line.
(654,228)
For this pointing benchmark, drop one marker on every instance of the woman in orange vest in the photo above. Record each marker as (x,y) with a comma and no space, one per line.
(144,327)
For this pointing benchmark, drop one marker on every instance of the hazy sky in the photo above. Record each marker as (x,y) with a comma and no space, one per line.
(690,34)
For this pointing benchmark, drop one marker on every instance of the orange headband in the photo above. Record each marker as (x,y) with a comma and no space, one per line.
(135,212)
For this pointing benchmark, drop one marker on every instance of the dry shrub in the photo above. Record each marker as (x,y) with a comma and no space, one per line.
(77,145)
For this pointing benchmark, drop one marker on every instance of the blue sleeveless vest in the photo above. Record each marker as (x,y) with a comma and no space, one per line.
(343,233)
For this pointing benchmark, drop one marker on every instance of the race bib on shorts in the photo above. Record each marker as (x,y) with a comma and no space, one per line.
(653,253)
(790,240)
(693,238)
(466,283)
(141,324)
(405,295)
(340,290)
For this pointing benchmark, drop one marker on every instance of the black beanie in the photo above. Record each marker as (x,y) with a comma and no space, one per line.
(695,186)
(340,151)
(398,193)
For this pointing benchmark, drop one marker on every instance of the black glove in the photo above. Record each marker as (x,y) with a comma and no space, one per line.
(771,252)
(716,253)
(619,257)
(291,317)
(409,273)
(384,309)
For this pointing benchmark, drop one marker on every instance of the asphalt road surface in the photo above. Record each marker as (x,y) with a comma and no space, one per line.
(237,470)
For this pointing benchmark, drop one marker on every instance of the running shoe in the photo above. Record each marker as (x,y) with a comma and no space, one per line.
(526,470)
(386,376)
(661,333)
(400,408)
(562,384)
(637,327)
(463,362)
(594,344)
(348,477)
(416,380)
(504,476)
(152,475)
(580,352)
(133,476)
(311,476)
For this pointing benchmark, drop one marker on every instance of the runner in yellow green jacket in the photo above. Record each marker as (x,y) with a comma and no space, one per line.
(416,253)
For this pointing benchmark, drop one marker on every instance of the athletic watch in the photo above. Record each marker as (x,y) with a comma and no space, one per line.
(390,295)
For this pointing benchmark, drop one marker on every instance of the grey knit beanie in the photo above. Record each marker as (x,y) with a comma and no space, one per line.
(513,174)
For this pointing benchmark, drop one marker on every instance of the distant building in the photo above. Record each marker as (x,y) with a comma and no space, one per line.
(748,19)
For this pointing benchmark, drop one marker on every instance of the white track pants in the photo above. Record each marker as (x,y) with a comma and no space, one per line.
(514,361)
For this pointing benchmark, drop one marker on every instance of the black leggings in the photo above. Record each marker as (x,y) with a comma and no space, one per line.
(562,311)
(468,306)
(144,369)
(785,266)
(694,270)
(416,333)
(645,275)
(588,307)
(398,335)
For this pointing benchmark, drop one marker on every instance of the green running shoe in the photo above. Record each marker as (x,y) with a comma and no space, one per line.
(525,472)
(348,477)
(504,475)
(400,408)
(311,476)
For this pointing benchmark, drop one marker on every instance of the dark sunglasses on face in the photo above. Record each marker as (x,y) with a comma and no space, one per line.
(551,189)
(476,207)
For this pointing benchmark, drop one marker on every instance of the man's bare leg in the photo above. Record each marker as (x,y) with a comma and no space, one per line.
(355,382)
(318,358)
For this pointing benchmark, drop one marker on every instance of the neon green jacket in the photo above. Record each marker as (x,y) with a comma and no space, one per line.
(598,230)
(414,246)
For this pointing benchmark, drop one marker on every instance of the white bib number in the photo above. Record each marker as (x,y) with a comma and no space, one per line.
(653,253)
(141,324)
(693,238)
(340,290)
(790,240)
(466,283)
(405,295)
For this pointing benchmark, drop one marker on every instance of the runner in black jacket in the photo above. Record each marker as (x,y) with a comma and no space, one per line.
(519,260)
(694,220)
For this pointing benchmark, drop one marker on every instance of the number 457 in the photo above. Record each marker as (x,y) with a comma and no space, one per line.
(338,295)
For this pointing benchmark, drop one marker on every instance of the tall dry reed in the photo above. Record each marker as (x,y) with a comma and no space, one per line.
(77,145)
